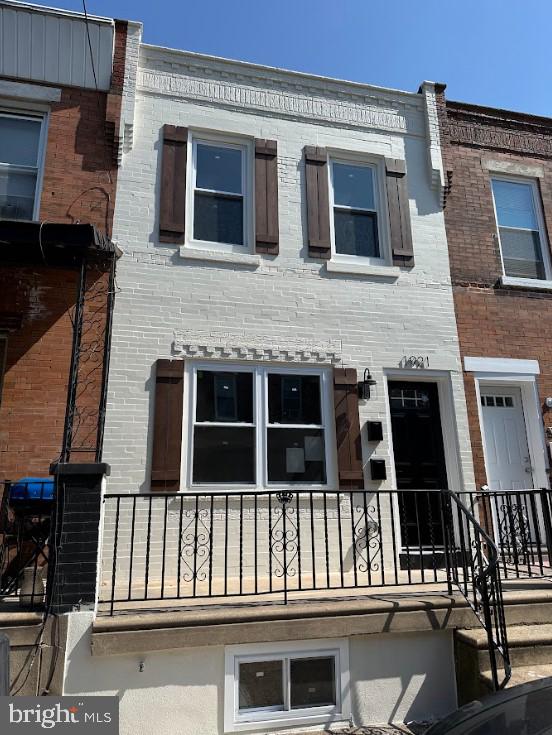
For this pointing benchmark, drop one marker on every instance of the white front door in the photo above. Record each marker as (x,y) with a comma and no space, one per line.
(508,462)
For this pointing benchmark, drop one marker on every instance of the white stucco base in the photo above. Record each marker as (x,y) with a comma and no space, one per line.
(394,678)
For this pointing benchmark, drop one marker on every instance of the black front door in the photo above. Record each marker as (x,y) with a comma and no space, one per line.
(419,460)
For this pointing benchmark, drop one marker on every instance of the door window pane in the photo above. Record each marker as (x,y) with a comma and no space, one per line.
(293,399)
(353,186)
(312,682)
(224,396)
(224,454)
(261,685)
(356,233)
(219,168)
(296,455)
(19,140)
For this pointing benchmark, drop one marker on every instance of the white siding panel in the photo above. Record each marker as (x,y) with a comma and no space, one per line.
(9,42)
(47,47)
(80,55)
(38,42)
(51,48)
(105,59)
(65,51)
(24,45)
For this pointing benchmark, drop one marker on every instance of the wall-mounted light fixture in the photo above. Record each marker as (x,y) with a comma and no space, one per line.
(364,385)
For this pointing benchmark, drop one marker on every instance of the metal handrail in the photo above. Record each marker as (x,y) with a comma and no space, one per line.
(487,601)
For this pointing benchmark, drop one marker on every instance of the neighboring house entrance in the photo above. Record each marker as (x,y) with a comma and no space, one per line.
(419,460)
(509,470)
(507,457)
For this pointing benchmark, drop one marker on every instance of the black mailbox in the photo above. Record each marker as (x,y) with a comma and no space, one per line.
(377,469)
(375,431)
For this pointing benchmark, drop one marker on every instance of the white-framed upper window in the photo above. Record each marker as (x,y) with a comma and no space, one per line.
(292,683)
(522,236)
(357,211)
(21,152)
(259,426)
(219,196)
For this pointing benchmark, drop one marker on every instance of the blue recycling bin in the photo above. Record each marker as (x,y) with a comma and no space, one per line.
(32,489)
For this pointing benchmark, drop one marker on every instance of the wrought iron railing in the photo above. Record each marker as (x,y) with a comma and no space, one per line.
(286,544)
(190,546)
(474,569)
(25,513)
(520,524)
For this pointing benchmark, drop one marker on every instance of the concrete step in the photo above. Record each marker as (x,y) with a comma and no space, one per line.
(530,645)
(520,675)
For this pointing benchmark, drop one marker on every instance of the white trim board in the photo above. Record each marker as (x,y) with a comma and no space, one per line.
(501,365)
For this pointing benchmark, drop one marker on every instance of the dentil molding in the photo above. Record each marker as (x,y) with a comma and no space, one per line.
(261,348)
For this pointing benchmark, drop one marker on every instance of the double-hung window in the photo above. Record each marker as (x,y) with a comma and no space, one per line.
(220,211)
(356,210)
(20,161)
(305,682)
(259,426)
(523,243)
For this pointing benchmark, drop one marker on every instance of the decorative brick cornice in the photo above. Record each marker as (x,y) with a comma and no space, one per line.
(296,96)
(225,345)
(499,130)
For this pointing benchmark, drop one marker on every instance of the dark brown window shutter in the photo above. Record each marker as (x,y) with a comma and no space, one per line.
(347,429)
(399,213)
(266,196)
(318,206)
(167,425)
(172,205)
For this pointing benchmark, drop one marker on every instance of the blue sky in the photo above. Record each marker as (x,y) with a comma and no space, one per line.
(493,52)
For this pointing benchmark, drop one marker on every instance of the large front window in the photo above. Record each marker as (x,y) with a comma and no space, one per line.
(259,426)
(20,143)
(521,234)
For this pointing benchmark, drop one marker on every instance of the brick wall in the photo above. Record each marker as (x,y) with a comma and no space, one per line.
(79,185)
(375,321)
(493,321)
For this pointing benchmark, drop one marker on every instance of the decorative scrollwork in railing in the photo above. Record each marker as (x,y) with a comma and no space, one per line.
(195,544)
(284,537)
(367,540)
(513,532)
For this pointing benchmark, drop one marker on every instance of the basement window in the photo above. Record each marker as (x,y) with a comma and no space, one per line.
(303,684)
(21,143)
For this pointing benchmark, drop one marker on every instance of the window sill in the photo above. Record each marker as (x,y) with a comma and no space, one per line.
(214,256)
(526,283)
(362,269)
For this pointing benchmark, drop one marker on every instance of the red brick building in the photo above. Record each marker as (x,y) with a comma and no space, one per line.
(498,218)
(60,139)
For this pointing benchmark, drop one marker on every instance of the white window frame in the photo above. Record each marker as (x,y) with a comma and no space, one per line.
(28,114)
(235,721)
(377,165)
(544,244)
(245,145)
(260,421)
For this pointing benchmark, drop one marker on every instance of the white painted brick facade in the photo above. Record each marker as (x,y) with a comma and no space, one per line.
(376,321)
